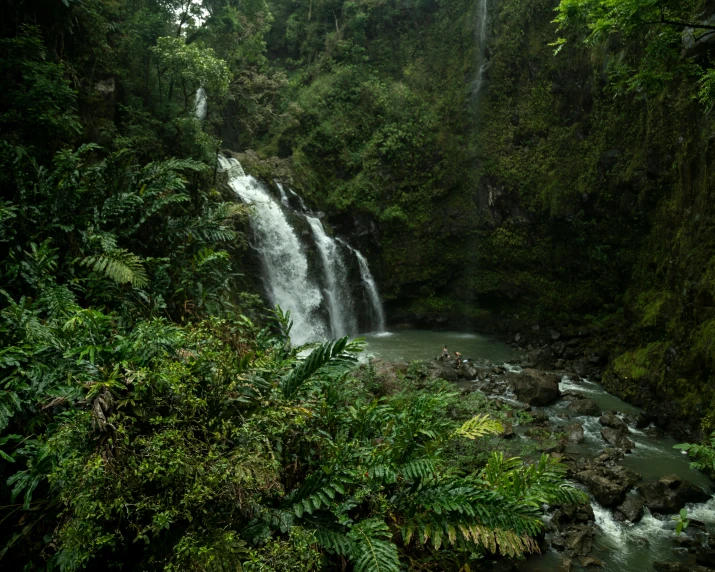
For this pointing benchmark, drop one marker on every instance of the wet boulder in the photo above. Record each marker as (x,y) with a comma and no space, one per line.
(577,540)
(574,432)
(584,407)
(508,432)
(442,370)
(630,509)
(617,438)
(669,494)
(609,485)
(535,387)
(610,419)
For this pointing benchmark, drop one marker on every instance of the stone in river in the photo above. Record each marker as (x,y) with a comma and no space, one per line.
(610,419)
(630,509)
(574,432)
(535,387)
(617,438)
(584,407)
(669,494)
(609,485)
(438,369)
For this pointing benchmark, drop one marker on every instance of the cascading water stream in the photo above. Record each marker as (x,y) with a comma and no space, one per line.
(284,198)
(200,104)
(340,305)
(481,40)
(286,265)
(284,261)
(373,295)
(372,292)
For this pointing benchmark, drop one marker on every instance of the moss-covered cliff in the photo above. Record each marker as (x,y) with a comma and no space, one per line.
(552,196)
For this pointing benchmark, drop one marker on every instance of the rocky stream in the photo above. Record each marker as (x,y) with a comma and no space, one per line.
(636,480)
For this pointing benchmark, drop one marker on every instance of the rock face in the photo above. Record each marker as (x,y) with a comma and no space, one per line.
(669,494)
(467,372)
(574,432)
(610,419)
(536,387)
(617,438)
(584,407)
(576,541)
(439,370)
(630,509)
(609,485)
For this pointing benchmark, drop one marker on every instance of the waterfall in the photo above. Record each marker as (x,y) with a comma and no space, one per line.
(340,306)
(372,293)
(201,104)
(289,279)
(284,198)
(481,38)
(284,261)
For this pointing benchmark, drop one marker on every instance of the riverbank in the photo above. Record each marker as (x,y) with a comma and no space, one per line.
(615,451)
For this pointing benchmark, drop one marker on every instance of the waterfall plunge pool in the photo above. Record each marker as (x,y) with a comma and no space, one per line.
(411,345)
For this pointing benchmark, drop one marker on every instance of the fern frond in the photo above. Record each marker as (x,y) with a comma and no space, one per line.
(58,300)
(319,357)
(479,426)
(373,550)
(120,265)
(418,469)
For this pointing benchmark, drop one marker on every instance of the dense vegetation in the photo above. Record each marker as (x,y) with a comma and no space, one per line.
(153,415)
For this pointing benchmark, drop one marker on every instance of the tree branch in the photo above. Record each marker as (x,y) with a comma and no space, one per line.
(680,23)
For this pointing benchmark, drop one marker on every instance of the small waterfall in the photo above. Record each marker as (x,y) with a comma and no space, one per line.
(201,104)
(300,200)
(284,197)
(481,39)
(285,264)
(340,305)
(372,293)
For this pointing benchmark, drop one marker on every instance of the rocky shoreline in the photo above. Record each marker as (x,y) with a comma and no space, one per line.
(534,387)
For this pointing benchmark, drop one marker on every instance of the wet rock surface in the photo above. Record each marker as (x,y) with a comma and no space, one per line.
(669,494)
(584,407)
(535,387)
(560,421)
(630,510)
(617,438)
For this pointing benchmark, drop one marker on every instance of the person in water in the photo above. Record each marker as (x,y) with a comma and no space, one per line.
(459,358)
(445,354)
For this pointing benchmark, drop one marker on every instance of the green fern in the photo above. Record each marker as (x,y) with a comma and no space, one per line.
(372,549)
(479,426)
(320,356)
(120,265)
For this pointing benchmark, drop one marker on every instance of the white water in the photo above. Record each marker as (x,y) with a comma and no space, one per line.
(337,284)
(481,38)
(201,104)
(284,198)
(287,274)
(372,292)
(284,261)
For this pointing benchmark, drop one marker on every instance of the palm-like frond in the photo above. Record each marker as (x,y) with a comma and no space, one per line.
(373,551)
(320,356)
(120,265)
(479,426)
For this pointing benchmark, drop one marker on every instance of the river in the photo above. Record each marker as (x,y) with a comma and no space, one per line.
(621,546)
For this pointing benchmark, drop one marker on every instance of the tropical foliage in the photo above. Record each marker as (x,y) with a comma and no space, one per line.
(153,415)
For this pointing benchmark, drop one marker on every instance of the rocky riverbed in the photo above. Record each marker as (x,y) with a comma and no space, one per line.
(637,482)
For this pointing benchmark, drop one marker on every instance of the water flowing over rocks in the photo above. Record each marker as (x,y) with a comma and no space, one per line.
(604,443)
